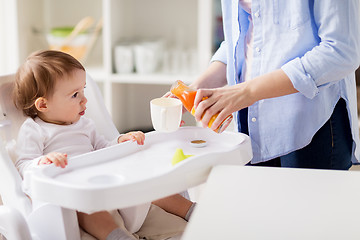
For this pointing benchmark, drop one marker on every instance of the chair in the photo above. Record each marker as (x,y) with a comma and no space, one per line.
(19,210)
(13,224)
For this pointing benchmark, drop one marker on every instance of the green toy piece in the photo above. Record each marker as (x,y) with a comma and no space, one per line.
(179,156)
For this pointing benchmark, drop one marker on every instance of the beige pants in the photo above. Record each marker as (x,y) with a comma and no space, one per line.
(158,225)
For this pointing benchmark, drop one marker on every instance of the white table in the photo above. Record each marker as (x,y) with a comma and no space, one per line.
(243,202)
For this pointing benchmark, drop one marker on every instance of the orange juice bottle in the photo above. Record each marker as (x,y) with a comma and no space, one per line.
(187,97)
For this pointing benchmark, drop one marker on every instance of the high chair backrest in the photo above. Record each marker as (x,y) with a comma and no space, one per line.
(97,111)
(9,115)
(11,120)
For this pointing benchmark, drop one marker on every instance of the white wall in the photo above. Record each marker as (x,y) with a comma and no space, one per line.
(9,57)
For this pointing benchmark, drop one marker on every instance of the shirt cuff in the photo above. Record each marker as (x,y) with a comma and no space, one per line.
(301,80)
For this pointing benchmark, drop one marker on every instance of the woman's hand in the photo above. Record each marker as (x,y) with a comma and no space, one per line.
(59,159)
(224,100)
(229,99)
(137,136)
(170,95)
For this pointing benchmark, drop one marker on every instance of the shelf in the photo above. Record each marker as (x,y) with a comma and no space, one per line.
(156,78)
(99,74)
(184,27)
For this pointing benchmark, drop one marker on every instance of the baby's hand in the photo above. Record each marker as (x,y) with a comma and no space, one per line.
(138,136)
(59,159)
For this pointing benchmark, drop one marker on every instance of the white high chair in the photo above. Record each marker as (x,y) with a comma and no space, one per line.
(141,173)
(18,211)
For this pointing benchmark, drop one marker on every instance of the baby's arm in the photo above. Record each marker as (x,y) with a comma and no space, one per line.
(137,136)
(59,159)
(29,146)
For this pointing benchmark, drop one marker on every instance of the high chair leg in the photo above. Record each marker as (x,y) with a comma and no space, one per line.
(53,222)
(13,224)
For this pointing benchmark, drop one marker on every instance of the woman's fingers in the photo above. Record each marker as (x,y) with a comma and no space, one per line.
(222,115)
(204,100)
(214,102)
(182,123)
(202,94)
(169,95)
(210,114)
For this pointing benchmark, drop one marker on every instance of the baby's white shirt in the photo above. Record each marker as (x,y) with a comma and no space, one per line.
(37,138)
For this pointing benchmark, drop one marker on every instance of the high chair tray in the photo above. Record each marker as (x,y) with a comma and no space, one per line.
(129,174)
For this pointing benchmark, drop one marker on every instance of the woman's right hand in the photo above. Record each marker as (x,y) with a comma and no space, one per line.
(170,95)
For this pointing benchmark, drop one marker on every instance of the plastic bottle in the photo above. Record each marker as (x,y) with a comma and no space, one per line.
(187,97)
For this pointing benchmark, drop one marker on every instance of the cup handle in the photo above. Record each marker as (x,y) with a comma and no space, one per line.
(163,118)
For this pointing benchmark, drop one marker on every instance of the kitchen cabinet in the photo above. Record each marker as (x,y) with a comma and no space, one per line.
(185,27)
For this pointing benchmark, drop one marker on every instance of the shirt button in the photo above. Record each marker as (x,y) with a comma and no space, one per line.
(253,119)
(257,49)
(257,14)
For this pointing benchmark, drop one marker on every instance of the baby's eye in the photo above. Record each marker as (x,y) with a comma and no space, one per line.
(75,95)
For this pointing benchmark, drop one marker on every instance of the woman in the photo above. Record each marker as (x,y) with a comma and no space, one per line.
(286,71)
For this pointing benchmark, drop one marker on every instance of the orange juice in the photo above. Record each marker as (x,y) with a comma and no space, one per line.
(187,97)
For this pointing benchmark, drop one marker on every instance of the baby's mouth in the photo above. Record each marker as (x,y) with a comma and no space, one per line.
(82,112)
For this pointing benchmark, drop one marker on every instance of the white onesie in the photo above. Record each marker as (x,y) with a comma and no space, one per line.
(37,138)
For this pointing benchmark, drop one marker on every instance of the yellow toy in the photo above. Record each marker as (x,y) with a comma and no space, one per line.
(179,156)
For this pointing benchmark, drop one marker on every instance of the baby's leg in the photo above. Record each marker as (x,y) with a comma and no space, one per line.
(102,226)
(177,205)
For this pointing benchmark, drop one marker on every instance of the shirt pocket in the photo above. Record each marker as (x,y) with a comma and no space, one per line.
(291,13)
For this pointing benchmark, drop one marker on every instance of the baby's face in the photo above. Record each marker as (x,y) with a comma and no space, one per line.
(68,103)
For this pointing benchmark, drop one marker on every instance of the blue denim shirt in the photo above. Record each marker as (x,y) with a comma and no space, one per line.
(316,43)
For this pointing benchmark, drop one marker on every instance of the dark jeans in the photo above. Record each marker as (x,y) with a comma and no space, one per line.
(330,148)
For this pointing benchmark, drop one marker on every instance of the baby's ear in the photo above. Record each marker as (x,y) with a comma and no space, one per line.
(41,104)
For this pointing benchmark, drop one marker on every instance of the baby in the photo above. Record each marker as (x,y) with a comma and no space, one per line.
(49,89)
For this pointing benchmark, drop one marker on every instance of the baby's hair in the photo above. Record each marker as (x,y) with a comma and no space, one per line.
(37,76)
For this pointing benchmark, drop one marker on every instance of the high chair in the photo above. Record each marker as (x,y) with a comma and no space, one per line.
(147,173)
(24,212)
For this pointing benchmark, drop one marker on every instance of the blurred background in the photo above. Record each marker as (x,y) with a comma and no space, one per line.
(133,49)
